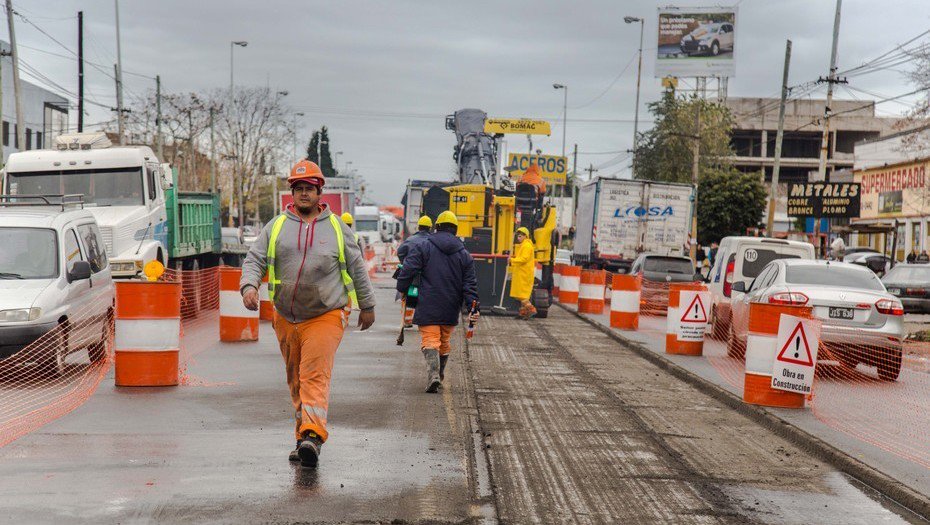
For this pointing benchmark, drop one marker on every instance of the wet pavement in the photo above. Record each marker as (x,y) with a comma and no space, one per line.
(217,451)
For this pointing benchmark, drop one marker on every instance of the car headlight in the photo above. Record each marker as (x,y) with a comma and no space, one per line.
(20,314)
(124,266)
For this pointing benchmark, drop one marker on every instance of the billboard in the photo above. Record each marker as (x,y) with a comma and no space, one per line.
(895,191)
(823,199)
(696,42)
(552,168)
(518,126)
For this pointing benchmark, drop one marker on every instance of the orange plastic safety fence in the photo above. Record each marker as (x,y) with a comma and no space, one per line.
(60,370)
(653,299)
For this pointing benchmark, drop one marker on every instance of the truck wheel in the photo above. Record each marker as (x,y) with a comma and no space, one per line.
(54,360)
(541,301)
(190,290)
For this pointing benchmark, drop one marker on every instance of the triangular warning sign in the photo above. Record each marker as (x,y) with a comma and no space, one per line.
(695,312)
(796,350)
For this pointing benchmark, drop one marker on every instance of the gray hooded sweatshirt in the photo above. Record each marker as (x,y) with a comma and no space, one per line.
(307,264)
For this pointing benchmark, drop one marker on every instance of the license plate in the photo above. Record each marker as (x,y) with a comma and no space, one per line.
(841,313)
(894,291)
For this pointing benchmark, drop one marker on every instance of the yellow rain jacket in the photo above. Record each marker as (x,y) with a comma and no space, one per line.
(523,265)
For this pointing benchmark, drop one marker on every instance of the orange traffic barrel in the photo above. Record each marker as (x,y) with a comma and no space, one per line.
(148,333)
(265,306)
(237,323)
(624,301)
(591,291)
(688,306)
(556,279)
(760,355)
(570,284)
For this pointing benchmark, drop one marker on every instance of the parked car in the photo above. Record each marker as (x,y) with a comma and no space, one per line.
(852,253)
(740,259)
(861,321)
(661,270)
(53,271)
(911,284)
(876,262)
(708,39)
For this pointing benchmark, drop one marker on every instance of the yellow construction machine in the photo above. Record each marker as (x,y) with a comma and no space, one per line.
(489,212)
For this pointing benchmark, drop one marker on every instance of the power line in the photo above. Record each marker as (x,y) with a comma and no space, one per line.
(609,86)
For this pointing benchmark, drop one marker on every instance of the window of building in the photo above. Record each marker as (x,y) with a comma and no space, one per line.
(38,140)
(56,121)
(28,138)
(6,133)
(16,136)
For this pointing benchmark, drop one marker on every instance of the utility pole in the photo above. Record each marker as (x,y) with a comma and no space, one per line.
(212,152)
(17,87)
(695,171)
(825,140)
(773,193)
(80,122)
(158,140)
(590,169)
(639,70)
(119,81)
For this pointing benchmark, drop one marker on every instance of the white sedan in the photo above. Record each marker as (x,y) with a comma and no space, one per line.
(861,321)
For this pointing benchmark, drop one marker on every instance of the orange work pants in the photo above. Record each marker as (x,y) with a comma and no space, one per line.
(309,349)
(436,336)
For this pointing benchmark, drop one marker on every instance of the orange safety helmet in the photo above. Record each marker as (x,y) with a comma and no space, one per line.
(306,171)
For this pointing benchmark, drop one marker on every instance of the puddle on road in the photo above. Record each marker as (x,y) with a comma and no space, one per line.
(843,503)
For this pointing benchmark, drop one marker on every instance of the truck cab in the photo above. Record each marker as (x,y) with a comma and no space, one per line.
(123,187)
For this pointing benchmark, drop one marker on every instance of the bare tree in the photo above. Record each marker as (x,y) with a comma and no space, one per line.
(917,144)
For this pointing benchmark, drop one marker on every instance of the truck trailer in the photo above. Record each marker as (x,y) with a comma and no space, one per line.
(617,219)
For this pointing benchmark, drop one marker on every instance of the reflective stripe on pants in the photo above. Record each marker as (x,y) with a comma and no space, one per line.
(309,349)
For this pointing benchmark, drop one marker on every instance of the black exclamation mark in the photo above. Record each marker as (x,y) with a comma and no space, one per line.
(695,311)
(797,347)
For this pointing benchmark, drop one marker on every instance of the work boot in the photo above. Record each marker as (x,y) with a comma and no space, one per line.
(443,359)
(309,450)
(293,457)
(432,369)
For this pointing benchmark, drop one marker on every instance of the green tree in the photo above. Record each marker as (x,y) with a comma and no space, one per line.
(313,148)
(326,160)
(729,201)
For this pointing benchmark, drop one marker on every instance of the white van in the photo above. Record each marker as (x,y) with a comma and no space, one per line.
(741,259)
(53,271)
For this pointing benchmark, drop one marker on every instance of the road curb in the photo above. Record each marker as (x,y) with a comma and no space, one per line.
(877,480)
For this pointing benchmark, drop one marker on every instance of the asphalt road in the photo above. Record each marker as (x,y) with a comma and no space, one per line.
(539,422)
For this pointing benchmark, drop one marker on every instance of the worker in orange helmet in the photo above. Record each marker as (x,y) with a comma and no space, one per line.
(523,266)
(316,273)
(533,176)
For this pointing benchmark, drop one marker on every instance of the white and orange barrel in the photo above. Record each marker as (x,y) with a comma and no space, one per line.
(570,284)
(760,355)
(625,293)
(237,323)
(688,305)
(265,306)
(556,279)
(591,291)
(148,333)
(608,285)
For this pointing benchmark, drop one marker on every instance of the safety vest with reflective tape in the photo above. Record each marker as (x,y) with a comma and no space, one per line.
(273,282)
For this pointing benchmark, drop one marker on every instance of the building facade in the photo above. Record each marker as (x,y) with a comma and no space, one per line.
(45,112)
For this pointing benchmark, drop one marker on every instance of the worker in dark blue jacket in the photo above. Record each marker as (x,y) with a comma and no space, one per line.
(447,283)
(423,227)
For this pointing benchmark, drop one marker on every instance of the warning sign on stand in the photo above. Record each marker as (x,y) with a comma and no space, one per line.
(693,312)
(796,359)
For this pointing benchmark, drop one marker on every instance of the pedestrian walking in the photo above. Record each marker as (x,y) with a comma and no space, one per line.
(523,267)
(316,273)
(408,305)
(447,281)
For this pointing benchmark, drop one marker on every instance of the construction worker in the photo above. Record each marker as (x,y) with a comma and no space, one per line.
(314,277)
(350,221)
(447,282)
(424,224)
(532,176)
(523,267)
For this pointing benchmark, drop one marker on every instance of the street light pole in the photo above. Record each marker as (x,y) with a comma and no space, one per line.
(639,70)
(236,174)
(336,162)
(564,112)
(294,141)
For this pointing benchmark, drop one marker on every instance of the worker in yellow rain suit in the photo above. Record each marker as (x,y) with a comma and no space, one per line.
(523,266)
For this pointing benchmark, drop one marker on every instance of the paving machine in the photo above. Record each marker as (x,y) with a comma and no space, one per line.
(490,208)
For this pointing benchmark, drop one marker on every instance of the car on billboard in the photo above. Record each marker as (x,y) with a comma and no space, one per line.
(708,39)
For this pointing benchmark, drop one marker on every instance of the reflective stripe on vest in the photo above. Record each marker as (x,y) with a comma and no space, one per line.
(273,281)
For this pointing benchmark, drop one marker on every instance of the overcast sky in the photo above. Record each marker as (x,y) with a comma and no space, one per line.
(382,75)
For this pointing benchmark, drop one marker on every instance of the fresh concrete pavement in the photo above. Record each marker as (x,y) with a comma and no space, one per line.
(542,421)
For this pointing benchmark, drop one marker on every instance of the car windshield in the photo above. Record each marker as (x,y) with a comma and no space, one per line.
(28,253)
(366,225)
(668,265)
(908,274)
(103,187)
(833,275)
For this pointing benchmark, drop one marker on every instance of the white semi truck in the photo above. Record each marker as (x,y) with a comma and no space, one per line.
(617,219)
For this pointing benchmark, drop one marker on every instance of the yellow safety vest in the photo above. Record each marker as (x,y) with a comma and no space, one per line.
(343,267)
